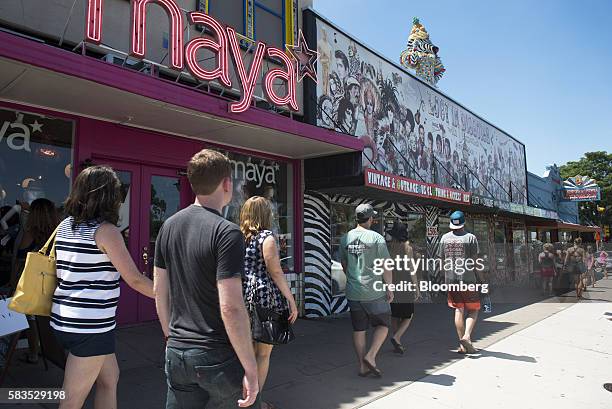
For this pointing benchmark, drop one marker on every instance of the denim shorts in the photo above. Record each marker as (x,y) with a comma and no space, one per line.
(199,379)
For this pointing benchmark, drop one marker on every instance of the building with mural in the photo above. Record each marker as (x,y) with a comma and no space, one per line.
(424,156)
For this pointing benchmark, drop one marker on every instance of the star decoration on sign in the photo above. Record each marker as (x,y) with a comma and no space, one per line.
(305,57)
(36,127)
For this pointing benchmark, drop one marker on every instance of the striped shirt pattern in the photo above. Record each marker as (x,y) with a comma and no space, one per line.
(87,294)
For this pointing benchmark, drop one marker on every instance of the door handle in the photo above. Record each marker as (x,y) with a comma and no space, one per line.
(145,256)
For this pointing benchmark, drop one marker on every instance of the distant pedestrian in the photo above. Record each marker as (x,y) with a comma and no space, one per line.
(264,283)
(458,246)
(548,270)
(402,307)
(199,258)
(574,263)
(41,222)
(603,261)
(91,257)
(590,267)
(368,304)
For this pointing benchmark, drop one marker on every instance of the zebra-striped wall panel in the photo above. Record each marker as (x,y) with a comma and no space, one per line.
(317,246)
(317,255)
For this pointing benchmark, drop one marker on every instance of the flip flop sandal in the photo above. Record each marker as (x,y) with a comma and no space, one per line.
(397,347)
(467,345)
(364,374)
(373,370)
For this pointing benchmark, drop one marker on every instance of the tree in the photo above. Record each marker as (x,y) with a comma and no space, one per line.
(597,165)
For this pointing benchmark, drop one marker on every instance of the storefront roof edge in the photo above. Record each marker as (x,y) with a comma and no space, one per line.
(55,59)
(355,186)
(577,227)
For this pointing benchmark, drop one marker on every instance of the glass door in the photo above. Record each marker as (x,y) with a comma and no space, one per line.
(150,196)
(129,174)
(164,192)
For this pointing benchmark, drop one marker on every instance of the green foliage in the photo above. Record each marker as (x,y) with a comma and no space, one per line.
(597,165)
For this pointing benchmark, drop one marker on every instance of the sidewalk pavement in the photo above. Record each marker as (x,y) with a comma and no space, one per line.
(554,346)
(559,362)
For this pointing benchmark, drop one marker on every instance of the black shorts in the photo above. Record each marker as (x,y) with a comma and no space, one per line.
(84,345)
(366,313)
(402,310)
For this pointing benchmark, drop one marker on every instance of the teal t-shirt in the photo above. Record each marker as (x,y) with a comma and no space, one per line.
(358,250)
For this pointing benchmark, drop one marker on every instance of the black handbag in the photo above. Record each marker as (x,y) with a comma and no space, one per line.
(269,326)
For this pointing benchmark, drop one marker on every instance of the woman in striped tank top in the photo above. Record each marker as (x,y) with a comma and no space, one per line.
(91,256)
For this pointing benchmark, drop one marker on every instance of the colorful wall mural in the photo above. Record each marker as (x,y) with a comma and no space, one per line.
(409,128)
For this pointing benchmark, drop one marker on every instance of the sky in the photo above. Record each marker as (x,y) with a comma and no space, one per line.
(539,70)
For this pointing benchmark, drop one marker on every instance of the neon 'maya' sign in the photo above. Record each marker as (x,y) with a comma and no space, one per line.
(224,45)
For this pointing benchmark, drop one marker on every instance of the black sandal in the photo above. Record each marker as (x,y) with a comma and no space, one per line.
(397,347)
(373,370)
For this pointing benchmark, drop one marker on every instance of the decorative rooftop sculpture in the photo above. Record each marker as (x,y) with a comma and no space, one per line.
(421,55)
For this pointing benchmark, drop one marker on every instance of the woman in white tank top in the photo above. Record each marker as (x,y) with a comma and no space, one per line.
(91,257)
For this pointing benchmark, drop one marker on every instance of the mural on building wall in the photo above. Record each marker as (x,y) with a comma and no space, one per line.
(410,129)
(421,55)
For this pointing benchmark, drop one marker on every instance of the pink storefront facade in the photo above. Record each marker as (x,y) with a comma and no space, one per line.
(62,110)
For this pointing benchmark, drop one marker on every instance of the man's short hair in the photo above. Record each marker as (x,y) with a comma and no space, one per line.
(206,170)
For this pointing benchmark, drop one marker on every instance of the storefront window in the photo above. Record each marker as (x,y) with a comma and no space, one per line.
(254,176)
(35,162)
(415,224)
(481,231)
(522,254)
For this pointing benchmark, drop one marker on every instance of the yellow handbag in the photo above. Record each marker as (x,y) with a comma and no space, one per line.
(38,281)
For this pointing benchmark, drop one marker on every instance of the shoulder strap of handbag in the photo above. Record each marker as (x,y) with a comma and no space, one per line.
(51,239)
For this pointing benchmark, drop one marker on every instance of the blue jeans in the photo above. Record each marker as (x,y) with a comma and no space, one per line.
(200,379)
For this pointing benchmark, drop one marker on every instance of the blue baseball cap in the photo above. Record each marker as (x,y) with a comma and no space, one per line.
(457,220)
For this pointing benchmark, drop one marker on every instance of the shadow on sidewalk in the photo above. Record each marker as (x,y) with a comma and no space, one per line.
(483,353)
(318,370)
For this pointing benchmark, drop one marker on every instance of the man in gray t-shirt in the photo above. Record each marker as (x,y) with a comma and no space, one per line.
(458,250)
